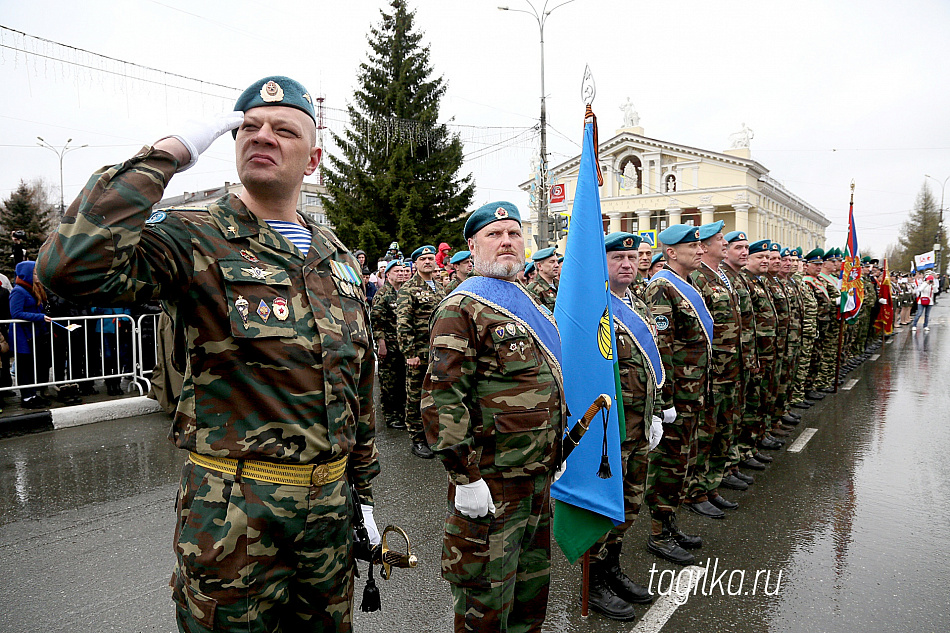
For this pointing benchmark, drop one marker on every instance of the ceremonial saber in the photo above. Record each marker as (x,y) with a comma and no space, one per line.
(573,437)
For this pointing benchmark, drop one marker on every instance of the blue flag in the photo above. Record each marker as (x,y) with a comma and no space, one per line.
(588,506)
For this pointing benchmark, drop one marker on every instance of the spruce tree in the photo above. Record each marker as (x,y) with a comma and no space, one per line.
(396,176)
(919,232)
(28,210)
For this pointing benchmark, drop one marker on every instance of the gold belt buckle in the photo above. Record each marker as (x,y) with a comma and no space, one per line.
(320,474)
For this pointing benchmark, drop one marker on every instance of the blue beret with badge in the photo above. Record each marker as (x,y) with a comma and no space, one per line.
(787,252)
(815,255)
(656,258)
(707,231)
(544,253)
(529,268)
(460,257)
(622,241)
(428,249)
(392,265)
(775,247)
(679,234)
(761,246)
(798,252)
(488,213)
(275,90)
(735,236)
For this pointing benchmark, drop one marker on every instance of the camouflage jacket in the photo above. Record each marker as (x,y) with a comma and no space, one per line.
(492,403)
(750,359)
(683,347)
(415,303)
(384,315)
(723,305)
(834,295)
(765,319)
(641,399)
(809,307)
(543,292)
(822,298)
(280,363)
(782,310)
(870,295)
(639,287)
(795,308)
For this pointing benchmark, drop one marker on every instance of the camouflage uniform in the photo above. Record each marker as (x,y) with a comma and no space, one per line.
(809,334)
(747,351)
(415,303)
(793,344)
(684,349)
(543,292)
(825,322)
(392,368)
(639,287)
(641,402)
(753,416)
(287,379)
(775,394)
(827,372)
(493,409)
(717,425)
(865,321)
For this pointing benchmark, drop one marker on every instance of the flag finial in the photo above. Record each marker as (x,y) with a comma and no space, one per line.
(588,87)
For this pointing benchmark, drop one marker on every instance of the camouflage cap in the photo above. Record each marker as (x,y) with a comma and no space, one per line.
(621,241)
(275,90)
(488,213)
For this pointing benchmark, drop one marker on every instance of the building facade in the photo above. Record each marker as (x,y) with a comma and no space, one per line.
(651,184)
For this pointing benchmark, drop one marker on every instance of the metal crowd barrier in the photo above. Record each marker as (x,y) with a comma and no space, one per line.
(80,350)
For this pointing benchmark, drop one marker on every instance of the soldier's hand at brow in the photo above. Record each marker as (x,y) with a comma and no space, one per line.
(197,136)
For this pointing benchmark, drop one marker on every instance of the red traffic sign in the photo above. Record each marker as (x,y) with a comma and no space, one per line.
(557,194)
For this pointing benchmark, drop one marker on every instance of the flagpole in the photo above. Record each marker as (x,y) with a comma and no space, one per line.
(840,313)
(585,584)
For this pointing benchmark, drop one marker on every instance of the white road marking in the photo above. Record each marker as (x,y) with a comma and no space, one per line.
(889,341)
(799,443)
(875,356)
(848,385)
(665,606)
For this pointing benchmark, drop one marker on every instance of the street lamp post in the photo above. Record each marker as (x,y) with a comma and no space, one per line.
(65,149)
(937,240)
(541,18)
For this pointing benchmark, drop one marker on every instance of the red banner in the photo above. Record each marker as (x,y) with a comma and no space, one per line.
(885,315)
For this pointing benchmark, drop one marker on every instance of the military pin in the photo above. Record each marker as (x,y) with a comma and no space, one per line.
(281,311)
(513,347)
(510,328)
(232,230)
(243,308)
(256,272)
(500,331)
(249,256)
(263,311)
(522,329)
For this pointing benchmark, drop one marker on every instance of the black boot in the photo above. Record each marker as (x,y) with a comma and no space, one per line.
(687,541)
(602,597)
(620,582)
(665,546)
(420,448)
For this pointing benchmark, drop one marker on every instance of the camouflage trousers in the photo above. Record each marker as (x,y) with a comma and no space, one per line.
(671,465)
(753,423)
(863,329)
(787,379)
(414,378)
(392,383)
(261,557)
(735,454)
(499,567)
(827,357)
(634,455)
(774,393)
(714,438)
(803,379)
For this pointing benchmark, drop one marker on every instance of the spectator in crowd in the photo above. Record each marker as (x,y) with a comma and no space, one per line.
(19,250)
(442,255)
(6,348)
(69,349)
(371,288)
(30,341)
(925,299)
(116,358)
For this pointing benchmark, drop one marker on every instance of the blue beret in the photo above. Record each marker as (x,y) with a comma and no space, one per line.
(621,241)
(423,250)
(275,90)
(707,231)
(544,253)
(392,265)
(735,236)
(679,234)
(798,251)
(759,247)
(787,252)
(815,255)
(560,259)
(775,247)
(656,258)
(460,257)
(529,267)
(488,213)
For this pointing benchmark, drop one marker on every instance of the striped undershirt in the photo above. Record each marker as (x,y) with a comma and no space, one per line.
(299,236)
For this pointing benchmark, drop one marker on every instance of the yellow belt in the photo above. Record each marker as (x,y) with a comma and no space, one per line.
(273,473)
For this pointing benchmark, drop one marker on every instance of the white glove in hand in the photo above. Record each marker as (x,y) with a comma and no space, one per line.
(560,471)
(882,301)
(656,432)
(370,523)
(197,136)
(669,415)
(474,499)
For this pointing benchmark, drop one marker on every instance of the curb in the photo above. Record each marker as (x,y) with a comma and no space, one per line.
(78,415)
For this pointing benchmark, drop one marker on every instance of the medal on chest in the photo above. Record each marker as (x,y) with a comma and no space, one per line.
(243,308)
(281,310)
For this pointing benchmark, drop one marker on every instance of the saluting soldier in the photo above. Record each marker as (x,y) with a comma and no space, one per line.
(463,269)
(392,364)
(544,287)
(276,409)
(641,370)
(684,334)
(717,423)
(495,412)
(415,302)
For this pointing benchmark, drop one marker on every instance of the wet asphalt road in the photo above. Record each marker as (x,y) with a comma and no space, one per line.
(858,523)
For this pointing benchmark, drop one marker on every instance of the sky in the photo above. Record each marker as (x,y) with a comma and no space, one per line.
(834,91)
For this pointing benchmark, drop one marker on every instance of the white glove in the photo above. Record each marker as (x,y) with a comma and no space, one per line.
(560,471)
(474,499)
(656,432)
(370,523)
(882,301)
(669,415)
(197,136)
